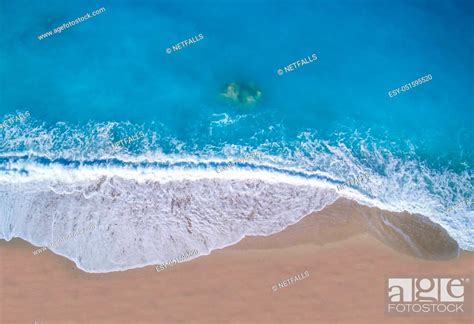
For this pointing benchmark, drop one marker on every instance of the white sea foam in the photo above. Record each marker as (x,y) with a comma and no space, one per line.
(149,221)
(146,213)
(148,216)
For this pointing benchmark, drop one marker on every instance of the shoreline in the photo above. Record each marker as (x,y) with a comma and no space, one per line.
(391,229)
(346,249)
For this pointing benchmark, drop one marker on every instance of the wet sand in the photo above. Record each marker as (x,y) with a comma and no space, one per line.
(348,251)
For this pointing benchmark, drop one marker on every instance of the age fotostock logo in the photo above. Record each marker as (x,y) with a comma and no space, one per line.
(424,295)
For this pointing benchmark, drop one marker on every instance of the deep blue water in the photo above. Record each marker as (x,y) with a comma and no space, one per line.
(114,67)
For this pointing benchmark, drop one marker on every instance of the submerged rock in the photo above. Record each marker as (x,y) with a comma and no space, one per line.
(241,93)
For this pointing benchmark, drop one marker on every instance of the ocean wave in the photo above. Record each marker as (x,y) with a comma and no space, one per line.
(150,221)
(146,204)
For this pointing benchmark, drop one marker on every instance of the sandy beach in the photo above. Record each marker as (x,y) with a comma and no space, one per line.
(347,251)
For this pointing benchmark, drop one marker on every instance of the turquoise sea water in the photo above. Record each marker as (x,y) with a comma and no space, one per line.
(110,77)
